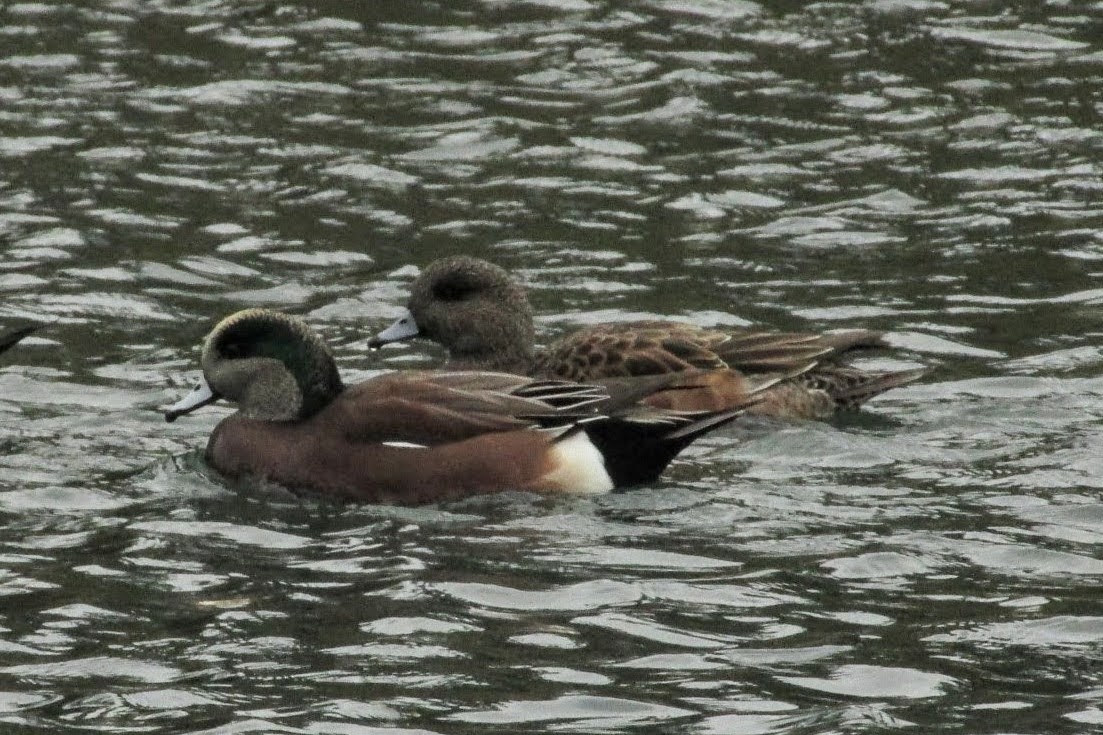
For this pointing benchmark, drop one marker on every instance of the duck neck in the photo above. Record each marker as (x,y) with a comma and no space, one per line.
(518,360)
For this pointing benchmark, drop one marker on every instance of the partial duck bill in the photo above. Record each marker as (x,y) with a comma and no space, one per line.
(405,327)
(200,396)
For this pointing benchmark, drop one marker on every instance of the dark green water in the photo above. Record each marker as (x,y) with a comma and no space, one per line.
(927,168)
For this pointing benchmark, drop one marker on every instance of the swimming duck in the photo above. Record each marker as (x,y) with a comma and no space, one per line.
(483,318)
(424,436)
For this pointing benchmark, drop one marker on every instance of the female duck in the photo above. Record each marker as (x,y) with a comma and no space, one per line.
(482,316)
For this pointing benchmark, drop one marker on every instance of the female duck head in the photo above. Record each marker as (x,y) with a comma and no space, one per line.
(474,309)
(270,364)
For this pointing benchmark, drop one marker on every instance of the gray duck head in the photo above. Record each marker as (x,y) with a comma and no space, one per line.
(474,309)
(272,365)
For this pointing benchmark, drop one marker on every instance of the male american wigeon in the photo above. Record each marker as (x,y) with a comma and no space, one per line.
(10,338)
(482,316)
(426,436)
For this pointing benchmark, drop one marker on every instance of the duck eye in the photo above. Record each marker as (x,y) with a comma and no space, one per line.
(233,350)
(453,290)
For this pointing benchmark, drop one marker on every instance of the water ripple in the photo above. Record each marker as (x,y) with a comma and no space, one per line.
(876,681)
(923,167)
(585,712)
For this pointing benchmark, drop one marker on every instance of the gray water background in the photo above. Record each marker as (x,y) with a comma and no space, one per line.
(927,168)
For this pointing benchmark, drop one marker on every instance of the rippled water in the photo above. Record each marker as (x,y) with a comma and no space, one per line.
(929,168)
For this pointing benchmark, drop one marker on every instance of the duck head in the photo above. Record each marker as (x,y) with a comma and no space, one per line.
(270,364)
(474,309)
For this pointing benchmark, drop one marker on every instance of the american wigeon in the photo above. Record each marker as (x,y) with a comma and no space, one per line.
(10,338)
(426,436)
(482,316)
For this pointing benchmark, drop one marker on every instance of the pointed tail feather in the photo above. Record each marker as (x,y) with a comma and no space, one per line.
(638,441)
(702,426)
(636,451)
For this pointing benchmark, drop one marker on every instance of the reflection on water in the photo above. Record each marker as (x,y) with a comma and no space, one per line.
(928,168)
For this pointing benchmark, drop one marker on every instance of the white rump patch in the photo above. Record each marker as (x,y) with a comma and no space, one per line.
(579,468)
(405,445)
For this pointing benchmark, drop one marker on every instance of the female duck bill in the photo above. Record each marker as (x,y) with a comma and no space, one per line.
(405,327)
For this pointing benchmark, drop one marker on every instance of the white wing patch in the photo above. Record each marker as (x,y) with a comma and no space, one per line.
(405,445)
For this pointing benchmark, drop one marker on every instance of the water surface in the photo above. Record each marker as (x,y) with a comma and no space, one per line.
(927,168)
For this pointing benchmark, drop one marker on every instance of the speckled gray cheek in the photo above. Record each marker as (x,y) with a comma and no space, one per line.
(274,395)
(262,388)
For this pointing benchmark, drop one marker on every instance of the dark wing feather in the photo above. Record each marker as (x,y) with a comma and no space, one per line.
(434,408)
(405,420)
